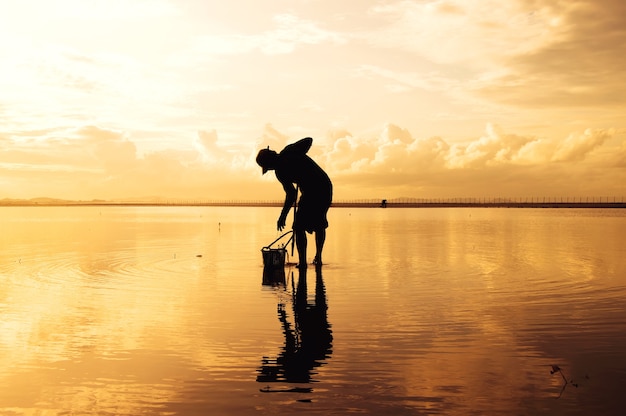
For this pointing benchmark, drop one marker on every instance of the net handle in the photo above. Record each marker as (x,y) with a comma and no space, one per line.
(270,244)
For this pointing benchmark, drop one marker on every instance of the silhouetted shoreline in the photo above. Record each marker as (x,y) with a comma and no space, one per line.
(487,205)
(338,204)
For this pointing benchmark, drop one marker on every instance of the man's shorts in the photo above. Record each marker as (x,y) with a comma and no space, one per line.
(311,213)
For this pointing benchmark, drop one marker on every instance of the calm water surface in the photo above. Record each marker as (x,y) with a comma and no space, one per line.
(162,311)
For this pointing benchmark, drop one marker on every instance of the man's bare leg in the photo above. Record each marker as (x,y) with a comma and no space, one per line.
(320,237)
(301,245)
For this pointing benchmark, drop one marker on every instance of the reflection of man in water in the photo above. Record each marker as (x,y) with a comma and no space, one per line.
(292,165)
(307,344)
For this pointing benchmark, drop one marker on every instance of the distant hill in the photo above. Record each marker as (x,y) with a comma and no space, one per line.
(42,201)
(47,201)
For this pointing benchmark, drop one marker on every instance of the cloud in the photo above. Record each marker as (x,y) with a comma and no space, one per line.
(207,145)
(395,163)
(405,81)
(576,147)
(108,149)
(619,158)
(347,153)
(399,153)
(477,33)
(58,85)
(290,31)
(94,162)
(577,68)
(533,54)
(493,148)
(496,148)
(272,138)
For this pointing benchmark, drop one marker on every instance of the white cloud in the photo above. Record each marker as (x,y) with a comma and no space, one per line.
(289,32)
(577,146)
(212,153)
(477,33)
(272,138)
(109,149)
(405,81)
(393,163)
(519,53)
(348,153)
(498,148)
(495,163)
(576,66)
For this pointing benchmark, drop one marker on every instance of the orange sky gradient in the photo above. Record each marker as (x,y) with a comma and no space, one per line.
(426,99)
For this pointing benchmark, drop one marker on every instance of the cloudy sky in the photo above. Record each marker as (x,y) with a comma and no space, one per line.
(449,98)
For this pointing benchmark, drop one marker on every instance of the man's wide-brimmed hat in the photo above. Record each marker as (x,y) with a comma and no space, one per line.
(264,158)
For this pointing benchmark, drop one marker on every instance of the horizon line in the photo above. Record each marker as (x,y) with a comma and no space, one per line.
(548,202)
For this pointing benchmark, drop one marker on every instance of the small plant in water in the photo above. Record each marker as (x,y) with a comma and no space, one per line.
(556,369)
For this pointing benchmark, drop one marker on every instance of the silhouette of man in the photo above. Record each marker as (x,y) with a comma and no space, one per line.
(293,166)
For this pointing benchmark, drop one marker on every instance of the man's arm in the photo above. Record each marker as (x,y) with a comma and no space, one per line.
(290,198)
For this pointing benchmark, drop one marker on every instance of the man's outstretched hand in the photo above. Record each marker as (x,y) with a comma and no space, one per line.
(281,223)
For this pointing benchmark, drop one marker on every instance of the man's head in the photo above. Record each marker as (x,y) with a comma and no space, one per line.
(266,159)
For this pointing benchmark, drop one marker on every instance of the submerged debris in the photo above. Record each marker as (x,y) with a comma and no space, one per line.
(556,369)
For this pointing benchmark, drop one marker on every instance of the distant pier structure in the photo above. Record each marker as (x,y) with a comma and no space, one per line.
(520,202)
(531,202)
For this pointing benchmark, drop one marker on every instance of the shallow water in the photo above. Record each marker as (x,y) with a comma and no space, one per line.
(162,310)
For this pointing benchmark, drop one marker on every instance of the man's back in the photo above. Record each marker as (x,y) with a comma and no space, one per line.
(294,166)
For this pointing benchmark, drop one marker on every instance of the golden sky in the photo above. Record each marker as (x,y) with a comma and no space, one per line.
(450,98)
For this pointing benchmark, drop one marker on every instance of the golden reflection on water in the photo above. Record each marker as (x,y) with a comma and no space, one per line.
(98,312)
(477,304)
(163,311)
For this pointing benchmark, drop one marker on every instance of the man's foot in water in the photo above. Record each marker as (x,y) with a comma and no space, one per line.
(317,261)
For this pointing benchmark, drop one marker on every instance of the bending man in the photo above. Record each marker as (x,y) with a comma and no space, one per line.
(293,166)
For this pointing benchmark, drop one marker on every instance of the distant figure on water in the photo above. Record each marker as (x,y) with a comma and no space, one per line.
(293,166)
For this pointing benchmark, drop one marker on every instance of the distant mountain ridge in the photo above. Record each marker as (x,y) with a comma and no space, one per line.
(46,201)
